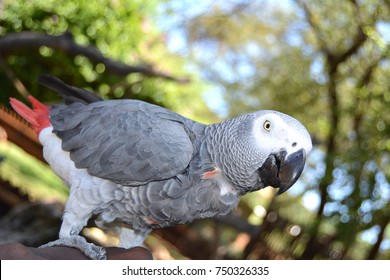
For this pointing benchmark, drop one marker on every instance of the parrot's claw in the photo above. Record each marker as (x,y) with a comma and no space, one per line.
(92,251)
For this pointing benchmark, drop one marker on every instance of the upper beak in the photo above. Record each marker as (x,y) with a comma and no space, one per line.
(282,171)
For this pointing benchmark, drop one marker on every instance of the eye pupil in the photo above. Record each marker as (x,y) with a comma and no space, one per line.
(267,125)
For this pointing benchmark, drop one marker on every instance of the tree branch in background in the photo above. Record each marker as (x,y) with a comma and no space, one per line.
(20,132)
(310,19)
(64,42)
(14,79)
(357,41)
(333,60)
(380,237)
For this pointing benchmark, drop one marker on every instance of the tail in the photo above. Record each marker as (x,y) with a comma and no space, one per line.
(38,116)
(69,93)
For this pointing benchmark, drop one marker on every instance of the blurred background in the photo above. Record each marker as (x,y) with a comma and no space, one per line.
(327,63)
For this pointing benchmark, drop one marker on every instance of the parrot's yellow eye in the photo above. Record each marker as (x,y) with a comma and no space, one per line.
(267,125)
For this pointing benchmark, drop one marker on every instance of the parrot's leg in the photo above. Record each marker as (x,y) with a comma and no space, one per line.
(92,251)
(129,238)
(69,237)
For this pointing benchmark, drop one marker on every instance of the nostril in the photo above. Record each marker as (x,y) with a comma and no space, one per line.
(294,144)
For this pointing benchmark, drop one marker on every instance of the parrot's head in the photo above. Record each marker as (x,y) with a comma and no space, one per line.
(283,143)
(265,148)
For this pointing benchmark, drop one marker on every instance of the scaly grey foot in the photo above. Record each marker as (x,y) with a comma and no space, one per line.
(75,241)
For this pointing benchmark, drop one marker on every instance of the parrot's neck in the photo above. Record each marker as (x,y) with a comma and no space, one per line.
(231,151)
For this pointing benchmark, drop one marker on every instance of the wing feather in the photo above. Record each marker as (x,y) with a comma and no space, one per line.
(126,141)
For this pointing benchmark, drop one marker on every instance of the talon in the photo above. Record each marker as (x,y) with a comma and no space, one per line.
(91,250)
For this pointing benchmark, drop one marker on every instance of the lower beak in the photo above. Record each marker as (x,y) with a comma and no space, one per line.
(282,171)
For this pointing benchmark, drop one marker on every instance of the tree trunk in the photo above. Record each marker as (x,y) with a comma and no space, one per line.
(375,248)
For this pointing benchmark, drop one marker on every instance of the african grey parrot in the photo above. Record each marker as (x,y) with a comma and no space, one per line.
(138,166)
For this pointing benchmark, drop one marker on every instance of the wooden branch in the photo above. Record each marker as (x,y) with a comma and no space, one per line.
(13,78)
(310,19)
(9,195)
(357,41)
(65,43)
(334,58)
(367,75)
(20,133)
(372,254)
(239,223)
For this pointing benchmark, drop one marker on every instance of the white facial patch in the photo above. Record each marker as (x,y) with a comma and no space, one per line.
(272,133)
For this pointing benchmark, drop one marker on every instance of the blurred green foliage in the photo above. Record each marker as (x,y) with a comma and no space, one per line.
(120,30)
(32,177)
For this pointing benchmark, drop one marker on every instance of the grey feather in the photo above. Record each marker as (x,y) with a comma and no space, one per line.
(127,142)
(69,93)
(149,167)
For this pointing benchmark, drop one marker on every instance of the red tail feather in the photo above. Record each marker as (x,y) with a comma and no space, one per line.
(38,117)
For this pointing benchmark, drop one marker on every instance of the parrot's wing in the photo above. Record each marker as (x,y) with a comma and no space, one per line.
(126,141)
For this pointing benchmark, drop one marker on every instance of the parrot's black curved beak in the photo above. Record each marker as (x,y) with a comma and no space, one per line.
(282,171)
